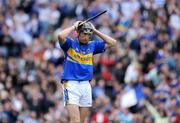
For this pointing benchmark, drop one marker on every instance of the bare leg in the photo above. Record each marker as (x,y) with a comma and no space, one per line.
(84,111)
(74,113)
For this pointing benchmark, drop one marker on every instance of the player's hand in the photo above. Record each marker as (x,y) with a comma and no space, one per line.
(76,24)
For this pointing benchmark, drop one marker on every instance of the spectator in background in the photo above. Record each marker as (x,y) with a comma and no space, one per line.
(30,60)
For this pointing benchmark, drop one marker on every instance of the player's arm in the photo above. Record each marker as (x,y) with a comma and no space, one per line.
(64,33)
(110,42)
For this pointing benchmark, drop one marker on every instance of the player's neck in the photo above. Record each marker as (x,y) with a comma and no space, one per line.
(82,43)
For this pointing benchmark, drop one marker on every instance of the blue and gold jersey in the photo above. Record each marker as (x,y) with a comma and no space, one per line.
(78,62)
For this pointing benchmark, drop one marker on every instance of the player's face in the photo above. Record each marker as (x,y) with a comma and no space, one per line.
(84,37)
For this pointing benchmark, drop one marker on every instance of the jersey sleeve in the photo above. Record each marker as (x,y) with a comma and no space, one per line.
(67,44)
(99,47)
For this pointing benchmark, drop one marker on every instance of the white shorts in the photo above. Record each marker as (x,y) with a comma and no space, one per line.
(78,93)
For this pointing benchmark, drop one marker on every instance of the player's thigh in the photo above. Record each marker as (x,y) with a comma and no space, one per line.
(86,98)
(84,112)
(71,94)
(74,113)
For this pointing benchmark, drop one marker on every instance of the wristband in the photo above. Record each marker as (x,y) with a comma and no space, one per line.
(73,27)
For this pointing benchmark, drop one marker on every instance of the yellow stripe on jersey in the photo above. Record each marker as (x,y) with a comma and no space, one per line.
(80,58)
(69,59)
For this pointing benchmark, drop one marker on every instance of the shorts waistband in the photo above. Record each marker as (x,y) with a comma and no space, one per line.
(73,81)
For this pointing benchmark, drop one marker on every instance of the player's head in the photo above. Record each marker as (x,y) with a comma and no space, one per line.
(85,32)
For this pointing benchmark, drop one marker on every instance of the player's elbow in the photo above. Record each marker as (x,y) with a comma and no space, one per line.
(111,44)
(114,42)
(61,38)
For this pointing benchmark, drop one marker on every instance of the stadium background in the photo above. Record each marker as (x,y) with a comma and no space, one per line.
(138,81)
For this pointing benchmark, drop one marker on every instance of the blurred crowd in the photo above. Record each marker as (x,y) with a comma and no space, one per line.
(138,81)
